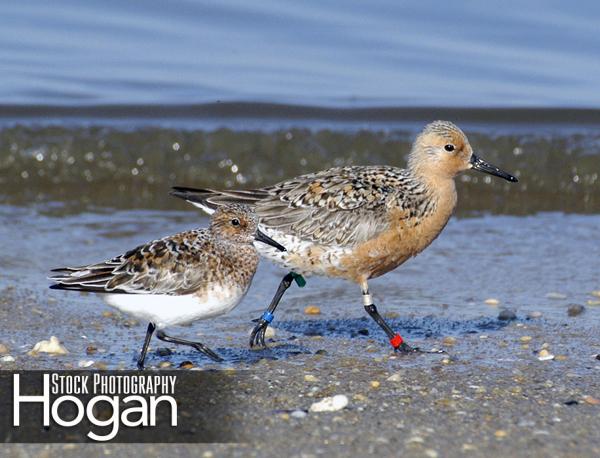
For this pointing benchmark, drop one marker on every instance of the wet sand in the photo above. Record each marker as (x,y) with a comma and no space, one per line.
(489,394)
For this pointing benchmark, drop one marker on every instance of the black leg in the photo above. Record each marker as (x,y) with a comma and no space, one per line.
(197,345)
(395,339)
(149,332)
(257,337)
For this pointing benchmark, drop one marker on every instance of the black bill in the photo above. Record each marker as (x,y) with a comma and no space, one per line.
(479,164)
(268,240)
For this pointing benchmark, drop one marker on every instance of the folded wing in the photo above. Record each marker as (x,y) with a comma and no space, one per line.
(338,206)
(158,267)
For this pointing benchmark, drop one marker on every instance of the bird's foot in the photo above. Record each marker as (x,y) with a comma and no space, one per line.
(257,336)
(406,349)
(207,351)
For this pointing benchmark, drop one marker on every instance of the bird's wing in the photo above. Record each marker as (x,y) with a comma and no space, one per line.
(338,206)
(158,267)
(210,199)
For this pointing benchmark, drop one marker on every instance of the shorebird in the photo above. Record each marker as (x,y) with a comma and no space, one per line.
(357,222)
(193,275)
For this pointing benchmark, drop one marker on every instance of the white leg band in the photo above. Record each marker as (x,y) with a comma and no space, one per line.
(367,299)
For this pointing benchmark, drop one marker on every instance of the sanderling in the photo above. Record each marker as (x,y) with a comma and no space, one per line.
(193,275)
(357,222)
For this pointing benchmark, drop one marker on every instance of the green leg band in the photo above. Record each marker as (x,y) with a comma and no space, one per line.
(299,279)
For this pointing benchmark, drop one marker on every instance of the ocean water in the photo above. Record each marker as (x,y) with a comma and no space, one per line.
(326,53)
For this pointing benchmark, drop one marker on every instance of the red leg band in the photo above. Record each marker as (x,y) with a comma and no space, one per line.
(396,341)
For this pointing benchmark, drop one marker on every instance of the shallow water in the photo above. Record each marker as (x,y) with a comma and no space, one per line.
(72,168)
(429,53)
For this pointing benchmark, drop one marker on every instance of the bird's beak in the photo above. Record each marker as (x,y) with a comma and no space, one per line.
(261,237)
(477,163)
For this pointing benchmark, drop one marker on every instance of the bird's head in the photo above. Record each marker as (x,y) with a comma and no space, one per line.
(238,223)
(442,150)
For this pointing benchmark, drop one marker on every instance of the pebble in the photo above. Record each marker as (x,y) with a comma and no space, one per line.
(545,355)
(397,377)
(449,340)
(526,339)
(596,293)
(100,365)
(90,350)
(593,302)
(507,315)
(186,365)
(330,404)
(375,384)
(431,453)
(555,295)
(85,363)
(591,400)
(310,378)
(52,346)
(299,414)
(3,349)
(534,314)
(500,434)
(164,364)
(492,301)
(415,440)
(575,310)
(7,359)
(163,351)
(312,310)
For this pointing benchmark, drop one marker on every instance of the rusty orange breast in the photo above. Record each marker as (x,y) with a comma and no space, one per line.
(406,237)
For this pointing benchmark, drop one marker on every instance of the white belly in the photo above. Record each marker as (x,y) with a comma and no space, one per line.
(301,256)
(164,310)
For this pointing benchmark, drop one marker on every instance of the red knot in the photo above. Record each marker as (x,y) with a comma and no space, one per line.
(357,222)
(193,275)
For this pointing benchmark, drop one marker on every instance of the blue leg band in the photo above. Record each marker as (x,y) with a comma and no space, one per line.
(267,316)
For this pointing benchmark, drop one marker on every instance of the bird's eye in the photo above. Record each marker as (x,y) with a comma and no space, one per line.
(449,147)
(235,222)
